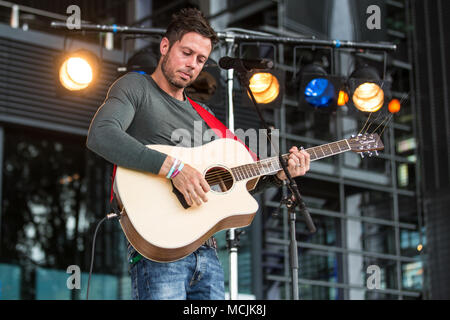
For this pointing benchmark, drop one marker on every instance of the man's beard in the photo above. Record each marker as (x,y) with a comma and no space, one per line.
(171,78)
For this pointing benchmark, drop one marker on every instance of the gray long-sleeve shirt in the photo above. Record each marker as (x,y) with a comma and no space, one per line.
(137,112)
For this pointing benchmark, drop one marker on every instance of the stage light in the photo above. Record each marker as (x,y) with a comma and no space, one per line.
(265,87)
(319,89)
(394,106)
(78,70)
(368,97)
(367,93)
(319,92)
(75,74)
(342,98)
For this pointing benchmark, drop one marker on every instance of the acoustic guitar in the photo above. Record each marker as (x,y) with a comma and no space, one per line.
(161,226)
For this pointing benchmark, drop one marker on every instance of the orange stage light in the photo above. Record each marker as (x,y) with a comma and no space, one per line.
(394,106)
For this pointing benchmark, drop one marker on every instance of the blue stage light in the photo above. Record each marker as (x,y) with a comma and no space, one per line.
(319,92)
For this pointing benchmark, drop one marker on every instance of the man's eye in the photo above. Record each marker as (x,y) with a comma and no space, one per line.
(186,53)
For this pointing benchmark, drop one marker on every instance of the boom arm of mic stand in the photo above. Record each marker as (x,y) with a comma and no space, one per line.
(242,73)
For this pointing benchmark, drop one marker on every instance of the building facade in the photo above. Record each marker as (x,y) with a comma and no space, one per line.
(367,211)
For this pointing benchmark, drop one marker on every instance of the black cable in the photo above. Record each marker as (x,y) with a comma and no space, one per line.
(109,216)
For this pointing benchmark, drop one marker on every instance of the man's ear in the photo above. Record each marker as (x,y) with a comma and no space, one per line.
(164,46)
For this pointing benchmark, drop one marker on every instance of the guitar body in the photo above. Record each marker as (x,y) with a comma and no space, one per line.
(154,219)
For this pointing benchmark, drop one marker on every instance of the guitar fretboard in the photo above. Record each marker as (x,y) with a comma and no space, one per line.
(273,165)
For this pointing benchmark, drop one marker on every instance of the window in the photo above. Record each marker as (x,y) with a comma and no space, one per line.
(54,193)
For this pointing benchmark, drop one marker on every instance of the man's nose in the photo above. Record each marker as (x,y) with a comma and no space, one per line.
(192,62)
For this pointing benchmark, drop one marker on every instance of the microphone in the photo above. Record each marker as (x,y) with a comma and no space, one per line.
(249,64)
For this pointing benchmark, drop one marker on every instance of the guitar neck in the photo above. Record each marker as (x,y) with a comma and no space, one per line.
(272,165)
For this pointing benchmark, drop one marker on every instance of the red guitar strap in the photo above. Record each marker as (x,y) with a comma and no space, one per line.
(112,183)
(218,127)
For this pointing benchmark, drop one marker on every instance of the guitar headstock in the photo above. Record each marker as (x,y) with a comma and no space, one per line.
(368,142)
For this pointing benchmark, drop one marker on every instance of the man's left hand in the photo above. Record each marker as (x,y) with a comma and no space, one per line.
(298,163)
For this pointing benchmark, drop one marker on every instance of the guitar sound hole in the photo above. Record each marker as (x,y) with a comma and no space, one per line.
(219,179)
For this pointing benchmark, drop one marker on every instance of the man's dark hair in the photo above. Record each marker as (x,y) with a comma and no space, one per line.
(190,20)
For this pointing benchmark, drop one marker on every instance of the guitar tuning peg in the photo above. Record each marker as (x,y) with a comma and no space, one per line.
(361,154)
(376,153)
(352,136)
(369,153)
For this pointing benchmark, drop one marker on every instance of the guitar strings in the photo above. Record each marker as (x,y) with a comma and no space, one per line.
(365,124)
(226,176)
(218,176)
(381,86)
(381,123)
(220,179)
(255,166)
(373,121)
(224,172)
(390,117)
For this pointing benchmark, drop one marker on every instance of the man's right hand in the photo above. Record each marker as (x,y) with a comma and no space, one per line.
(190,182)
(192,185)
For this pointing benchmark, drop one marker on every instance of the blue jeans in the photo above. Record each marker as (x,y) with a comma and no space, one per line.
(199,276)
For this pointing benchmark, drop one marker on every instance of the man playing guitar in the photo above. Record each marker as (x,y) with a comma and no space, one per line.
(145,109)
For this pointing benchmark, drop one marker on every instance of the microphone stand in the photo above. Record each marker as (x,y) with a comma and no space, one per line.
(296,200)
(232,234)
